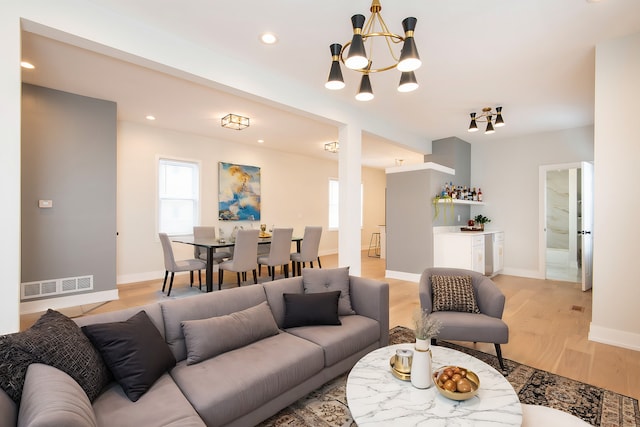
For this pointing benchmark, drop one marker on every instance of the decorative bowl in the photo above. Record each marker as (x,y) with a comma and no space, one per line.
(457,395)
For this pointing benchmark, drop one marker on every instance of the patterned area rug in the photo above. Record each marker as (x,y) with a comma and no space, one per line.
(327,406)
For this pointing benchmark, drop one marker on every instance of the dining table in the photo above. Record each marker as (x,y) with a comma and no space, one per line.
(211,245)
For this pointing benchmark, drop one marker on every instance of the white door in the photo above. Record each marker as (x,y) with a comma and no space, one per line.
(587,225)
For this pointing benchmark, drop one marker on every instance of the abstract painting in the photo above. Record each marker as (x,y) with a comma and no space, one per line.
(239,192)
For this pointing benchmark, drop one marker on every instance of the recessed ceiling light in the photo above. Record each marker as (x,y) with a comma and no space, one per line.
(268,38)
(150,117)
(260,141)
(28,65)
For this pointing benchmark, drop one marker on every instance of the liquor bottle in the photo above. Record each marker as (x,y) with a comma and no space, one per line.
(474,195)
(479,194)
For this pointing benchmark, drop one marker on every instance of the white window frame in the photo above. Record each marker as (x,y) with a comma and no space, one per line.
(194,197)
(333,217)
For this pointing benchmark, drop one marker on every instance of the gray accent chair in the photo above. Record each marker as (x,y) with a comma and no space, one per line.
(245,255)
(308,250)
(173,266)
(487,326)
(207,233)
(278,253)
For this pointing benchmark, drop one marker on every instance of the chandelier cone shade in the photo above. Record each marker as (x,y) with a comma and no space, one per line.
(335,80)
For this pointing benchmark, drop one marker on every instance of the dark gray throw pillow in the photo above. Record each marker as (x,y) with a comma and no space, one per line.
(134,351)
(14,363)
(57,341)
(311,309)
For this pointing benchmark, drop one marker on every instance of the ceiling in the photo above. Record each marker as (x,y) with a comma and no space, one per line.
(535,58)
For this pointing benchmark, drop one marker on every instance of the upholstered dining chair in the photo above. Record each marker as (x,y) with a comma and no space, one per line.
(278,253)
(308,250)
(209,233)
(245,255)
(467,313)
(173,266)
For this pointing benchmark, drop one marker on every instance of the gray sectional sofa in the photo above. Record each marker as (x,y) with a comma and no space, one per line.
(214,382)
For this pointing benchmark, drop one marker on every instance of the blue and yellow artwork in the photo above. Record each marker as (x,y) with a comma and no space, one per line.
(239,192)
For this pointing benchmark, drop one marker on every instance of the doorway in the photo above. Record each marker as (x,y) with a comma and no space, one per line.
(566,219)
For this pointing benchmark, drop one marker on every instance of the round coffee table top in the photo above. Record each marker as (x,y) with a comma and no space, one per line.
(377,398)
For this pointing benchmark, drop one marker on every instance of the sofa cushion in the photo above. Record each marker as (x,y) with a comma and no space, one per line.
(163,405)
(235,383)
(14,363)
(453,293)
(274,292)
(134,351)
(207,338)
(329,279)
(311,309)
(52,398)
(57,341)
(339,342)
(205,306)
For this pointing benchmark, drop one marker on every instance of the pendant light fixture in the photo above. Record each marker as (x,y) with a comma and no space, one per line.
(487,116)
(353,54)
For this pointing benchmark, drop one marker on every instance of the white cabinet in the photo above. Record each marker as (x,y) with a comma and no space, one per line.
(478,251)
(459,250)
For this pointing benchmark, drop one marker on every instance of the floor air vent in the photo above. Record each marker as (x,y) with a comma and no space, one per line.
(57,286)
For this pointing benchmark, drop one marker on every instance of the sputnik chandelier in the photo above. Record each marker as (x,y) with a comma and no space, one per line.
(356,55)
(487,116)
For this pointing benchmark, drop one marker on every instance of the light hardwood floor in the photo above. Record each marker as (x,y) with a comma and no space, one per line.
(548,324)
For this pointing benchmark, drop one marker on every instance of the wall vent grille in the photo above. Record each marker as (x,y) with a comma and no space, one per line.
(45,288)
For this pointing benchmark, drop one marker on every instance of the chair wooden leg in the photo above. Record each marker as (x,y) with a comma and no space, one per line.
(170,283)
(220,274)
(166,273)
(200,279)
(286,270)
(319,265)
(255,276)
(260,269)
(310,264)
(500,360)
(273,273)
(191,278)
(238,274)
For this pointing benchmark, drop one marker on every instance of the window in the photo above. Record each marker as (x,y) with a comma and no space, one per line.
(178,196)
(334,204)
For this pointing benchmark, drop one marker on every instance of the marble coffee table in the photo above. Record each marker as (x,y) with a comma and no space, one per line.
(377,398)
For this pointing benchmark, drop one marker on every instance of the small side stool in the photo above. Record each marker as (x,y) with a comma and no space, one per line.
(374,245)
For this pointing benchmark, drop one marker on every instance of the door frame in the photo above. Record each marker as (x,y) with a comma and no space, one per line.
(542,215)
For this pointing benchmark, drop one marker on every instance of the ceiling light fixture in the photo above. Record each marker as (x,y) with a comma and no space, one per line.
(150,117)
(356,58)
(268,38)
(332,147)
(487,116)
(234,121)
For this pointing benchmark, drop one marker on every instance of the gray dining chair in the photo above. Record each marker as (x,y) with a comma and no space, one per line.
(279,252)
(308,250)
(245,255)
(173,266)
(208,233)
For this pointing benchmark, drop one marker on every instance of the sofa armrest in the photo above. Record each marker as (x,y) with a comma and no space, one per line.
(50,397)
(370,298)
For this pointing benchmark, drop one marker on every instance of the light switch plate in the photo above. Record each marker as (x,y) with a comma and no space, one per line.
(45,203)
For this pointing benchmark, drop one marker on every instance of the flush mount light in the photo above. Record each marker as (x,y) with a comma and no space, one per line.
(150,117)
(27,65)
(261,141)
(234,121)
(268,38)
(332,147)
(487,116)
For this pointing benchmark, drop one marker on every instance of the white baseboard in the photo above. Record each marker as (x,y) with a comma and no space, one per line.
(614,337)
(401,275)
(531,274)
(68,301)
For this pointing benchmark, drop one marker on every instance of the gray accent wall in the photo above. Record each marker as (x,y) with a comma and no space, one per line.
(68,157)
(453,153)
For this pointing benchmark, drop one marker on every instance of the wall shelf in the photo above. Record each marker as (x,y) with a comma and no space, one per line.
(460,202)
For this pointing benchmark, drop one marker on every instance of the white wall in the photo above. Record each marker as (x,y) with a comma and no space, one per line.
(616,238)
(507,171)
(294,192)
